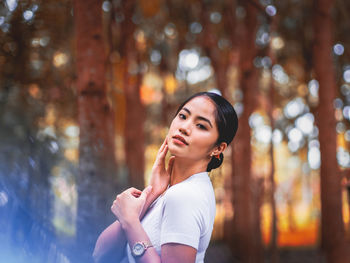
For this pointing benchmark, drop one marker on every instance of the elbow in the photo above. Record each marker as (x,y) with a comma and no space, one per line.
(101,256)
(96,256)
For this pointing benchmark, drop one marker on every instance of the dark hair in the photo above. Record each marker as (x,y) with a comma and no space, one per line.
(226,121)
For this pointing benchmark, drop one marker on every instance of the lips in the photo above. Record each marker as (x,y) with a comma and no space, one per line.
(180,138)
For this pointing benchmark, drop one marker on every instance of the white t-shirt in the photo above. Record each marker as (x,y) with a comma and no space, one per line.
(184,214)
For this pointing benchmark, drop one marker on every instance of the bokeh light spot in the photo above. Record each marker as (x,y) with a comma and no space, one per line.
(72,131)
(60,59)
(215,17)
(338,49)
(263,134)
(277,136)
(294,108)
(346,112)
(188,59)
(346,75)
(271,10)
(313,87)
(28,14)
(156,56)
(279,75)
(314,157)
(305,123)
(196,28)
(277,43)
(106,6)
(11,5)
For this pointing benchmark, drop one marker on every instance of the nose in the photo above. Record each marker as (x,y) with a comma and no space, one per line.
(184,129)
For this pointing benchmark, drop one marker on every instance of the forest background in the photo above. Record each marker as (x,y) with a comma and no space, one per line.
(88,89)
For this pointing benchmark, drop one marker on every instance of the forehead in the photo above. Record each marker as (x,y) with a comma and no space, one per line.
(202,106)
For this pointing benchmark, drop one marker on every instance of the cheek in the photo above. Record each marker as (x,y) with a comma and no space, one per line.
(172,126)
(206,141)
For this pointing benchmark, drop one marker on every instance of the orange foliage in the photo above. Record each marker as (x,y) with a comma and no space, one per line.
(301,237)
(306,236)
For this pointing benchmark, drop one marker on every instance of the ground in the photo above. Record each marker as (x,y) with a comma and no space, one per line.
(219,252)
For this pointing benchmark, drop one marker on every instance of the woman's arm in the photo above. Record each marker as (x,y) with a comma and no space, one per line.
(127,208)
(112,241)
(110,245)
(170,253)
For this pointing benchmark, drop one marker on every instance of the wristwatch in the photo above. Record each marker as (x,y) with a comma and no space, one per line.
(139,248)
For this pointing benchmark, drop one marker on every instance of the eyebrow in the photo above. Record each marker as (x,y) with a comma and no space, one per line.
(199,117)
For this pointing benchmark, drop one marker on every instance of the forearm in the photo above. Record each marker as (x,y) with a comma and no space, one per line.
(150,199)
(135,233)
(110,244)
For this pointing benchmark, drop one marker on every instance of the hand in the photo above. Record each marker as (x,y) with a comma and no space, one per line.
(129,204)
(160,177)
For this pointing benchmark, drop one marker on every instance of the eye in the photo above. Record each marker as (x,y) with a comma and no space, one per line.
(201,126)
(182,116)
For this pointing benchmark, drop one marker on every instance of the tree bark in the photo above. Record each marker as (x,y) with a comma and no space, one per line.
(247,243)
(135,111)
(332,225)
(97,165)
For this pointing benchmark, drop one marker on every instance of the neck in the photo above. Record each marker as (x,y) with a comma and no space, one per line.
(184,168)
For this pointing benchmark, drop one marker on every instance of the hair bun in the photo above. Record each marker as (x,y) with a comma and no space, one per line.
(215,162)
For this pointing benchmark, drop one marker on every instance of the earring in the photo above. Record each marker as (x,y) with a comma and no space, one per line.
(218,157)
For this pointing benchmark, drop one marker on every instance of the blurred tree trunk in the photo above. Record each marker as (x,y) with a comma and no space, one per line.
(332,225)
(229,19)
(96,149)
(220,58)
(221,61)
(135,111)
(247,242)
(272,184)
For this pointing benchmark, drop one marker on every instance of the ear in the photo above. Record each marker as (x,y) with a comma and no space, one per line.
(219,149)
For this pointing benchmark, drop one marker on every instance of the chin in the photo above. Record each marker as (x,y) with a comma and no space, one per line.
(173,150)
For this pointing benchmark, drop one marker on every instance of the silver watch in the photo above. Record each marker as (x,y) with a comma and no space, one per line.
(139,248)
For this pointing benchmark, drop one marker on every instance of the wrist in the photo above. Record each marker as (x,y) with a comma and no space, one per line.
(128,223)
(157,191)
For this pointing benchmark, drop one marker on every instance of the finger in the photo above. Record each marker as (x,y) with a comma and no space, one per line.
(170,165)
(161,157)
(136,194)
(112,207)
(132,191)
(146,192)
(162,146)
(163,153)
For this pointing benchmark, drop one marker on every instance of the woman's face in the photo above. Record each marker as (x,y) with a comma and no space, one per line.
(193,132)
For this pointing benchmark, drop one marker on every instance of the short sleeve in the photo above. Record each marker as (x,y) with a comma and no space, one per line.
(181,219)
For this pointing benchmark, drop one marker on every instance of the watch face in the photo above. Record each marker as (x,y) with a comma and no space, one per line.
(138,249)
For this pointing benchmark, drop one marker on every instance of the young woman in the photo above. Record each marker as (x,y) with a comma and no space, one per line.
(172,219)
